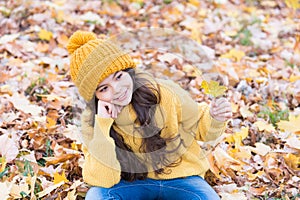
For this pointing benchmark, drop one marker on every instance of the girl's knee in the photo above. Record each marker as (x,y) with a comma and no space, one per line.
(98,193)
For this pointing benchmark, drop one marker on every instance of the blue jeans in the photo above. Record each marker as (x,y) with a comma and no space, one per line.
(189,188)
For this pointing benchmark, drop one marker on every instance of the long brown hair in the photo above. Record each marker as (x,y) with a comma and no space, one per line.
(145,98)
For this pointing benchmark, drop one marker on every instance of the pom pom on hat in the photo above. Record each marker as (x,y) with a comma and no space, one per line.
(78,39)
(92,60)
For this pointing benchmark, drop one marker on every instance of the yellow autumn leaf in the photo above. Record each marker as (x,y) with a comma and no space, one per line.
(235,54)
(59,178)
(3,164)
(245,112)
(264,126)
(261,149)
(238,137)
(295,4)
(294,78)
(292,161)
(194,2)
(223,160)
(45,35)
(253,176)
(293,125)
(213,88)
(50,122)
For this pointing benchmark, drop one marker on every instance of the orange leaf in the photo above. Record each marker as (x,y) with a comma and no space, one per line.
(50,122)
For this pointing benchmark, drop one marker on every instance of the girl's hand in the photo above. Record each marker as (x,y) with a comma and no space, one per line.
(108,110)
(221,109)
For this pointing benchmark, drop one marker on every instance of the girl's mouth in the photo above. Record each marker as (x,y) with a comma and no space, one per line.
(123,96)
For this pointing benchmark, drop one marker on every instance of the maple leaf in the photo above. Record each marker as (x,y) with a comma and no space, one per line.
(235,54)
(45,35)
(295,4)
(213,88)
(264,126)
(60,178)
(238,137)
(290,126)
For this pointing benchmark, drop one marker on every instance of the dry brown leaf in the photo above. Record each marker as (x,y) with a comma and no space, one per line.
(60,159)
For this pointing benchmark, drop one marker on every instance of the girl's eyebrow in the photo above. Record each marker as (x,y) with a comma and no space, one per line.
(115,74)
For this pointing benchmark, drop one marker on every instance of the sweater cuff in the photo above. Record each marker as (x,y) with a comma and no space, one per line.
(216,129)
(103,124)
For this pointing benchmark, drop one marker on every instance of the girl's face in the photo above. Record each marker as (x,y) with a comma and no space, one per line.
(116,89)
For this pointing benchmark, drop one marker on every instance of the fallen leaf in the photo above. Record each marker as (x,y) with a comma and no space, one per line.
(5,188)
(16,190)
(169,58)
(49,189)
(225,161)
(252,176)
(3,164)
(237,55)
(45,35)
(59,159)
(60,178)
(71,195)
(245,112)
(230,196)
(8,148)
(50,122)
(295,4)
(292,161)
(238,137)
(264,126)
(261,149)
(9,38)
(293,142)
(292,126)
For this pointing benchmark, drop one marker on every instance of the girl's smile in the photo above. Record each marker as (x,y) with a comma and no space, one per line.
(116,89)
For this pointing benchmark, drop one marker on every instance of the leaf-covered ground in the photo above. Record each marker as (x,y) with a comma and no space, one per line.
(255,49)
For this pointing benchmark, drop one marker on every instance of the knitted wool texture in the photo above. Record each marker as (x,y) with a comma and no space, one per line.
(92,60)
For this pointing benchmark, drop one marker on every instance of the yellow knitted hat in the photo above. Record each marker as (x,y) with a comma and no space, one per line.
(92,60)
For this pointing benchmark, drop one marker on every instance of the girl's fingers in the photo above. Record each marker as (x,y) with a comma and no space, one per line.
(106,109)
(222,109)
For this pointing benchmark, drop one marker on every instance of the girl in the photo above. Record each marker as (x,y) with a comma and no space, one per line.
(140,133)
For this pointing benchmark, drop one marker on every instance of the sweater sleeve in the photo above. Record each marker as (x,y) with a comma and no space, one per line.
(101,166)
(195,117)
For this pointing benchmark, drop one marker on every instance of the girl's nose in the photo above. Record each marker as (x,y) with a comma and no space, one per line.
(116,88)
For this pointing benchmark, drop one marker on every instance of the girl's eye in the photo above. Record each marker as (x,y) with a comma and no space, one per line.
(103,89)
(119,76)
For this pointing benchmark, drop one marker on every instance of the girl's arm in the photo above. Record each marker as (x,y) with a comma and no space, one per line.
(194,117)
(101,167)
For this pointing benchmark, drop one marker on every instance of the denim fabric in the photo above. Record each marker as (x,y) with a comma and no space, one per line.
(189,188)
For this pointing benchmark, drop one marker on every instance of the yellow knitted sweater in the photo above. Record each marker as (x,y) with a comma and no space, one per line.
(178,113)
